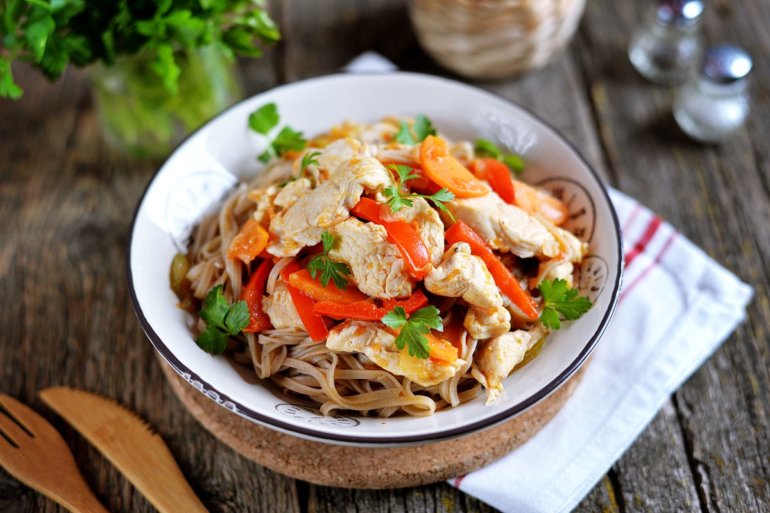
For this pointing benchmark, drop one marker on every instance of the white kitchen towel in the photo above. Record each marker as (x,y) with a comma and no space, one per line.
(676,308)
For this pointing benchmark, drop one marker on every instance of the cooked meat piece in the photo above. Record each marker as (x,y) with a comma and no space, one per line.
(498,356)
(292,192)
(280,308)
(303,223)
(483,323)
(573,249)
(429,225)
(464,275)
(376,265)
(506,227)
(338,152)
(379,345)
(555,270)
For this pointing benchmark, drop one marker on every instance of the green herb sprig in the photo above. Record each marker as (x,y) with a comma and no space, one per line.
(321,267)
(486,148)
(413,328)
(309,159)
(223,320)
(51,34)
(421,128)
(560,302)
(398,199)
(263,121)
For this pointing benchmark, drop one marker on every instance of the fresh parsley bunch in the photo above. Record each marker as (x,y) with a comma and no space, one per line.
(51,34)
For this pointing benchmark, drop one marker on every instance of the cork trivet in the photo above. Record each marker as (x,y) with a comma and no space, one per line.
(365,467)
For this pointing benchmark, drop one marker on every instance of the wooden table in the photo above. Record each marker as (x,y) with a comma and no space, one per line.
(66,204)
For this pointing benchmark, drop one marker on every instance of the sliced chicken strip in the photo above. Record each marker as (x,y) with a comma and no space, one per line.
(338,152)
(428,224)
(290,193)
(506,227)
(328,204)
(379,345)
(280,308)
(464,275)
(376,265)
(498,356)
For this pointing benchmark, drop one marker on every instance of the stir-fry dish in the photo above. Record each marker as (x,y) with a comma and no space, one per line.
(381,268)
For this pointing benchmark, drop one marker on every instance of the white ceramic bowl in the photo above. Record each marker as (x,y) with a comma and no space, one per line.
(201,171)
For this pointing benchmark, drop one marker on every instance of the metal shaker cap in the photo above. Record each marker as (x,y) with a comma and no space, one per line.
(725,64)
(681,13)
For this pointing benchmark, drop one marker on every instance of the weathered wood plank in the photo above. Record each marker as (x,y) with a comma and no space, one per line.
(718,196)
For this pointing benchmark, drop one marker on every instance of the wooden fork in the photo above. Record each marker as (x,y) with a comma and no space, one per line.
(33,451)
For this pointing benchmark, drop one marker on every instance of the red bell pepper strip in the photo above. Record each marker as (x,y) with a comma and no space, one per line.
(253,294)
(368,310)
(411,304)
(314,324)
(504,278)
(406,238)
(499,177)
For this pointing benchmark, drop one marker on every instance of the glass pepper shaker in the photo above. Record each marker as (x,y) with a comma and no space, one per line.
(714,103)
(666,48)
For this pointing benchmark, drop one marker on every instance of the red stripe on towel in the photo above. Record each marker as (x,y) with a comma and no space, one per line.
(647,236)
(635,212)
(649,268)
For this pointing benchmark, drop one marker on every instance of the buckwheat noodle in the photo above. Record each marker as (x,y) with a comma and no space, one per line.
(297,365)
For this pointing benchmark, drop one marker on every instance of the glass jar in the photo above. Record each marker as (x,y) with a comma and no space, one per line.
(668,45)
(141,117)
(714,103)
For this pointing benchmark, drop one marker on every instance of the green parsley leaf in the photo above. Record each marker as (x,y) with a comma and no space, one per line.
(237,317)
(212,340)
(309,159)
(215,308)
(288,139)
(396,318)
(404,136)
(323,269)
(561,303)
(421,128)
(264,118)
(223,320)
(486,148)
(414,328)
(397,199)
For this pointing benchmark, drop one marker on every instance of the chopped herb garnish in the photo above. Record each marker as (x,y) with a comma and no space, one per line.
(398,199)
(223,320)
(264,118)
(321,267)
(421,128)
(309,159)
(486,148)
(263,121)
(414,328)
(561,303)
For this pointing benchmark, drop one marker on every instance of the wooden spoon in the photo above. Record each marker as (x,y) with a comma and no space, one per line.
(35,453)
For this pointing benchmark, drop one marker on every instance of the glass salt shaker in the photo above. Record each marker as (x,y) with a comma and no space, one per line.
(666,48)
(714,103)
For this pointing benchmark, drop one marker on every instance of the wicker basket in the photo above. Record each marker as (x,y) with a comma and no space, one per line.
(494,38)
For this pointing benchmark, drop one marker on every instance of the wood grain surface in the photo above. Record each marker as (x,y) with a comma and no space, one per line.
(66,202)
